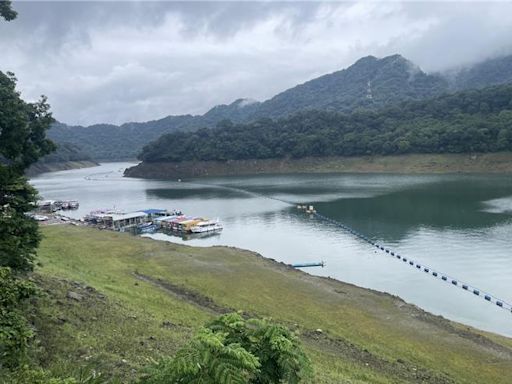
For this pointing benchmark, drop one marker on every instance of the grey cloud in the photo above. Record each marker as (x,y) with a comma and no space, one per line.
(135,61)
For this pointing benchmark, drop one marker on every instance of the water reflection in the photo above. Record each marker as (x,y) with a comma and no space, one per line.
(442,205)
(185,191)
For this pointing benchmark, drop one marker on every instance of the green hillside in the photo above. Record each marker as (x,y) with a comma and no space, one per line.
(487,73)
(470,121)
(368,83)
(113,302)
(65,152)
(112,142)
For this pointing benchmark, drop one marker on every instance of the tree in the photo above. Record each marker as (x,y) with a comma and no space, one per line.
(6,10)
(234,350)
(22,142)
(22,126)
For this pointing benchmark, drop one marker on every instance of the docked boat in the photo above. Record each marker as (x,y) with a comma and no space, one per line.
(206,226)
(146,228)
(67,204)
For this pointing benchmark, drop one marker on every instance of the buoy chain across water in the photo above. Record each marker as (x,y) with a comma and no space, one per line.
(418,266)
(422,267)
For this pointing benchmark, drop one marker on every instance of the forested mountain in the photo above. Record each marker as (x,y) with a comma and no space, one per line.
(240,110)
(66,156)
(65,152)
(124,142)
(113,142)
(370,83)
(468,121)
(487,73)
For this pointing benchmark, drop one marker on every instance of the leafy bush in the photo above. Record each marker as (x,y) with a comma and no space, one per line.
(234,350)
(15,332)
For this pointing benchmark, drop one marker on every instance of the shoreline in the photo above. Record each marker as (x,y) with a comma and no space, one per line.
(38,168)
(55,220)
(500,162)
(345,328)
(287,268)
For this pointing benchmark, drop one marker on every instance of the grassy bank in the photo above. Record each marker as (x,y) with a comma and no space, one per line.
(416,163)
(59,166)
(115,301)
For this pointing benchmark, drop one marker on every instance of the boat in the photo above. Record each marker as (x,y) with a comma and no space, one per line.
(47,206)
(206,226)
(66,204)
(146,228)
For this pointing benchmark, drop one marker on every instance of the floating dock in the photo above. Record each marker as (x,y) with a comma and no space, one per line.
(308,265)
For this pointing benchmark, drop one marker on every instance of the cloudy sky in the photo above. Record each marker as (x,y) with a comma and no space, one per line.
(135,61)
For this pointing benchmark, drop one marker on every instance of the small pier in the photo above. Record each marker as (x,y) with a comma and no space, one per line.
(308,265)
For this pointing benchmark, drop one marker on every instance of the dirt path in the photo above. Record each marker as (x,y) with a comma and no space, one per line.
(182,293)
(401,370)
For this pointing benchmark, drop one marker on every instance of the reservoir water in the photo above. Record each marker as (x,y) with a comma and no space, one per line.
(457,224)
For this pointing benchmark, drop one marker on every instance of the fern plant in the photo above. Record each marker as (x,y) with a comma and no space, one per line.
(232,350)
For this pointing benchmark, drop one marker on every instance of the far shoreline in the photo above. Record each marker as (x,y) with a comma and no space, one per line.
(40,168)
(494,163)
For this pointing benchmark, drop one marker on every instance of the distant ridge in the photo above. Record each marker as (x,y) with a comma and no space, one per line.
(488,73)
(369,83)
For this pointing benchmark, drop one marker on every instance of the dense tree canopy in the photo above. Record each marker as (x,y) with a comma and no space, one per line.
(470,121)
(22,126)
(6,10)
(22,142)
(65,152)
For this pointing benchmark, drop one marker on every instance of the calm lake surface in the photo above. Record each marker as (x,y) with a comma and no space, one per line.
(457,224)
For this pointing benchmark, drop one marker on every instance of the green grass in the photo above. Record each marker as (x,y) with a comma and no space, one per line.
(117,327)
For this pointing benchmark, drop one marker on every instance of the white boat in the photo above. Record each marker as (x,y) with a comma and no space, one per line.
(206,226)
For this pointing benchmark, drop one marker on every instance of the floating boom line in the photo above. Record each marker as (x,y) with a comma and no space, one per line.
(416,265)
